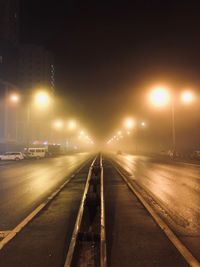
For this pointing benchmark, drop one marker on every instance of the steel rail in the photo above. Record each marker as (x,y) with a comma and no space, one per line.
(103,254)
(72,245)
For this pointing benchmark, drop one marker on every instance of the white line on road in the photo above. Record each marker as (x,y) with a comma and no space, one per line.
(23,223)
(3,234)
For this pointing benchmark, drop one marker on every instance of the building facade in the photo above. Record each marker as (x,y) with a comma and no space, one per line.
(25,67)
(36,68)
(9,20)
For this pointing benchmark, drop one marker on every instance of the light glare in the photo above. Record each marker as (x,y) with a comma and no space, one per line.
(72,125)
(159,97)
(42,98)
(129,123)
(14,98)
(58,124)
(187,97)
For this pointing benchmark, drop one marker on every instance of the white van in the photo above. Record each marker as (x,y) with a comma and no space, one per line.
(37,153)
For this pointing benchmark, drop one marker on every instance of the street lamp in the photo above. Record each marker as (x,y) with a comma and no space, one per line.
(42,99)
(129,123)
(72,125)
(14,98)
(143,124)
(58,124)
(161,96)
(119,132)
(187,97)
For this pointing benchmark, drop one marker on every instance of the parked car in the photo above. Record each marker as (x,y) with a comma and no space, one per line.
(173,154)
(195,155)
(12,156)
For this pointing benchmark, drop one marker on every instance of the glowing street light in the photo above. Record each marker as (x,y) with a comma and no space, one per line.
(42,98)
(129,123)
(14,98)
(187,97)
(119,133)
(143,124)
(72,125)
(58,124)
(82,133)
(159,96)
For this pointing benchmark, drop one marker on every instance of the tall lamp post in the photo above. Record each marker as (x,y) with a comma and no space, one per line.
(161,96)
(41,100)
(12,98)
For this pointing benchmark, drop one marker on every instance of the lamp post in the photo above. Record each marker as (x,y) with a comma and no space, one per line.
(9,98)
(161,96)
(41,100)
(173,125)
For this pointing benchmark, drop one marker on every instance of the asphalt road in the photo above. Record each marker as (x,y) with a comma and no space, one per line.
(133,238)
(174,190)
(25,184)
(45,240)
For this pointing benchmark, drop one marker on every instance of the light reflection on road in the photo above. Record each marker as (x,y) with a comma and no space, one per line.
(23,185)
(175,186)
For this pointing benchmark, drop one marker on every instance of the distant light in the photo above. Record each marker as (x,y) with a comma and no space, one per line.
(14,98)
(129,123)
(119,132)
(72,125)
(45,142)
(42,98)
(159,96)
(187,97)
(143,124)
(58,124)
(82,133)
(128,132)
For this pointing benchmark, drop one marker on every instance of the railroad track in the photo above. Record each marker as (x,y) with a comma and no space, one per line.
(88,242)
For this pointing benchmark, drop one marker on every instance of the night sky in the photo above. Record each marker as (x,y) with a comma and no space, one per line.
(107,53)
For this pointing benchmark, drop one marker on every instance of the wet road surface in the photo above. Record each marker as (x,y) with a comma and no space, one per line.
(133,237)
(173,190)
(25,184)
(45,240)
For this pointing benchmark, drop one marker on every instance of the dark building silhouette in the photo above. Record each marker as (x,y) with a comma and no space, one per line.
(36,67)
(9,21)
(9,38)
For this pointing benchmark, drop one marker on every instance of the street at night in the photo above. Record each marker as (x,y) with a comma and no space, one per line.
(99,133)
(24,185)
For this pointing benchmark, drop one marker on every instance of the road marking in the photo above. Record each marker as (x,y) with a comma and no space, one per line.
(19,227)
(24,222)
(184,251)
(3,234)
